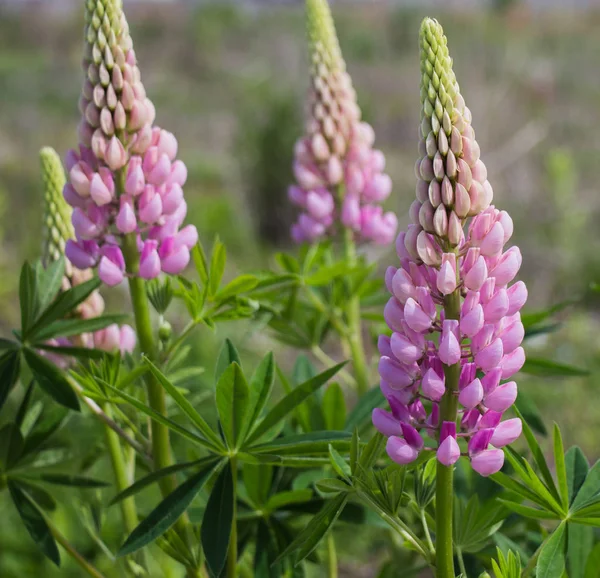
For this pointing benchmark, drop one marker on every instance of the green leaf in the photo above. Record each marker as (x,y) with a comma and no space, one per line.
(326,275)
(69,480)
(241,284)
(64,304)
(35,523)
(551,562)
(257,480)
(68,351)
(200,262)
(528,512)
(318,527)
(51,379)
(577,470)
(292,400)
(593,563)
(217,266)
(311,443)
(334,407)
(166,513)
(228,355)
(232,404)
(217,521)
(70,327)
(174,426)
(333,486)
(11,446)
(10,369)
(282,499)
(144,482)
(561,470)
(28,298)
(580,541)
(589,489)
(363,409)
(261,386)
(538,456)
(550,368)
(372,450)
(185,406)
(51,281)
(338,463)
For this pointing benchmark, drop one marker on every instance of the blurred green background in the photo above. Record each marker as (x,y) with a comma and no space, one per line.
(228,80)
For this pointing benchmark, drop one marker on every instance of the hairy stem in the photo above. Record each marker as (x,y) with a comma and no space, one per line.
(88,568)
(233,550)
(355,341)
(128,510)
(444,494)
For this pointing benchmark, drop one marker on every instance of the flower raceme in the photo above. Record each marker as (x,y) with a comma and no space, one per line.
(454,315)
(57,231)
(125,178)
(340,178)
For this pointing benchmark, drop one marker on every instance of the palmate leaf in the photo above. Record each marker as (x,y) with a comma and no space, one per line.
(261,386)
(35,523)
(580,541)
(316,529)
(65,480)
(28,297)
(10,368)
(561,470)
(166,513)
(257,481)
(577,470)
(290,401)
(228,355)
(217,521)
(70,327)
(310,444)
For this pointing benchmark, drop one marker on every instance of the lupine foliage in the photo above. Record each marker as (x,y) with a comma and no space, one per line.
(270,462)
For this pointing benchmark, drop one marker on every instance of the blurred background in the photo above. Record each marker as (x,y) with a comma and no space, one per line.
(228,78)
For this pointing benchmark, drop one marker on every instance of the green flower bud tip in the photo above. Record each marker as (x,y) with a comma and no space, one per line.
(440,93)
(322,37)
(57,213)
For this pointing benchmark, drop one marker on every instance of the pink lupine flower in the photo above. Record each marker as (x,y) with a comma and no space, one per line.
(125,178)
(339,175)
(453,311)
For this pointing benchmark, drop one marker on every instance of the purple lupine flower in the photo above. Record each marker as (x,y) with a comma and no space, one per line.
(454,248)
(125,177)
(340,178)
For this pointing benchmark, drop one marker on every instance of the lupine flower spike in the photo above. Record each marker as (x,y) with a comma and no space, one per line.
(125,178)
(57,231)
(452,250)
(340,178)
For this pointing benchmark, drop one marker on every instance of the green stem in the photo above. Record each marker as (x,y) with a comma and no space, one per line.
(426,530)
(444,480)
(461,564)
(161,447)
(331,557)
(233,550)
(128,510)
(355,341)
(70,549)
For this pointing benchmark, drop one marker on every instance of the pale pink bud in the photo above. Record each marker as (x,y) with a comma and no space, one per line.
(512,362)
(386,423)
(428,250)
(160,171)
(410,241)
(507,432)
(446,192)
(449,349)
(471,395)
(404,350)
(149,260)
(126,221)
(350,215)
(395,374)
(465,177)
(472,322)
(109,272)
(440,221)
(319,206)
(85,228)
(99,192)
(488,462)
(403,286)
(334,170)
(188,236)
(490,356)
(134,183)
(174,259)
(462,201)
(432,385)
(477,274)
(80,179)
(149,205)
(378,189)
(507,267)
(108,339)
(400,451)
(434,193)
(306,178)
(82,254)
(167,144)
(416,318)
(115,155)
(502,397)
(127,339)
(455,232)
(319,147)
(448,451)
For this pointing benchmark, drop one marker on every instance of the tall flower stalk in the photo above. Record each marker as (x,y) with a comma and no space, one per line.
(125,187)
(340,179)
(456,327)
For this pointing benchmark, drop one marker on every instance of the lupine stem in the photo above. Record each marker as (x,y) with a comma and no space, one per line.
(444,480)
(161,447)
(128,510)
(461,564)
(233,551)
(355,341)
(331,557)
(88,568)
